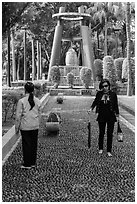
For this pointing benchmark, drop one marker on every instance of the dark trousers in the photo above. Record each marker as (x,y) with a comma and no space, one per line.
(110,129)
(29,146)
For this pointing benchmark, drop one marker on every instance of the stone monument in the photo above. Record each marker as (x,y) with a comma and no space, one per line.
(72,61)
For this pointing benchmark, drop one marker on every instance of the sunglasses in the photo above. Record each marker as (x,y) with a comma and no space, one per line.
(105,86)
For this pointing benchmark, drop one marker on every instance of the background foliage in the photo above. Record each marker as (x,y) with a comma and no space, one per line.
(36,17)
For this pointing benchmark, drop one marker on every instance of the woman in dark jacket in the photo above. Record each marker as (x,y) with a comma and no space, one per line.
(107,110)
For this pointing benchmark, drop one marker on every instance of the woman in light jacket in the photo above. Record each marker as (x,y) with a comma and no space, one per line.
(27,121)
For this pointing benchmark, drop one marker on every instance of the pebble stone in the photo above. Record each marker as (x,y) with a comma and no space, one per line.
(67,170)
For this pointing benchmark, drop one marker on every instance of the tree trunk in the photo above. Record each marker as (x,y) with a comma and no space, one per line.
(98,44)
(25,64)
(13,56)
(129,85)
(33,61)
(8,71)
(18,69)
(116,45)
(38,61)
(105,41)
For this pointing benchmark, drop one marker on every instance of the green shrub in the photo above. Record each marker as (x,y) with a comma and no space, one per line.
(85,76)
(98,65)
(118,67)
(44,87)
(109,71)
(133,70)
(59,100)
(55,75)
(125,70)
(37,85)
(9,102)
(70,79)
(37,89)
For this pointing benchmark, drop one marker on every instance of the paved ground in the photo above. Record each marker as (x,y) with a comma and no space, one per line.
(67,171)
(128,101)
(127,109)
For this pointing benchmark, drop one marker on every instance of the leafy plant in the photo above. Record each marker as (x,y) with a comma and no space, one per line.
(118,67)
(109,71)
(9,103)
(55,76)
(70,79)
(44,87)
(59,100)
(125,71)
(85,76)
(98,64)
(37,89)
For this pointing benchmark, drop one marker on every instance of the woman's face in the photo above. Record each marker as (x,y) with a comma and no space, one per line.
(105,87)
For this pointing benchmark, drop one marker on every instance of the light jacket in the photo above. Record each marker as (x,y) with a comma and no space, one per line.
(27,119)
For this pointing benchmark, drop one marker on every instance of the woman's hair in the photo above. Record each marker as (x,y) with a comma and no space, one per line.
(29,88)
(102,82)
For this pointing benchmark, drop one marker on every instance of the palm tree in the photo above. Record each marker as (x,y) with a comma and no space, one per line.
(101,13)
(106,13)
(109,15)
(128,18)
(9,68)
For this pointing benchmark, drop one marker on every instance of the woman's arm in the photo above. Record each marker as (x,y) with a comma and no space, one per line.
(39,110)
(116,105)
(95,102)
(18,116)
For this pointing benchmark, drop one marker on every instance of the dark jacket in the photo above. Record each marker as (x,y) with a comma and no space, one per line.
(113,105)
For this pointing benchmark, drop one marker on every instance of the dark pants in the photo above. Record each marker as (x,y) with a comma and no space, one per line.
(29,146)
(110,128)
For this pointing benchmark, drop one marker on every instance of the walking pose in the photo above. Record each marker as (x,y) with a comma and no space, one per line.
(27,122)
(107,111)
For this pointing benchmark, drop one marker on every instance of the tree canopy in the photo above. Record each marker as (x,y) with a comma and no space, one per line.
(36,17)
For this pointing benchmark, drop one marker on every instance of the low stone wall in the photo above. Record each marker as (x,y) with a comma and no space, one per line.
(77,81)
(68,92)
(10,139)
(88,92)
(73,92)
(122,90)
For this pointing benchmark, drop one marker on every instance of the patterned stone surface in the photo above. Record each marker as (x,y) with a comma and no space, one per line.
(67,171)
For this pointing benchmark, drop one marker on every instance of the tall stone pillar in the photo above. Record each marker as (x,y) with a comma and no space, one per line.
(56,48)
(88,55)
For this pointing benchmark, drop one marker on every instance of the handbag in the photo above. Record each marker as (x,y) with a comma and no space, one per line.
(119,133)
